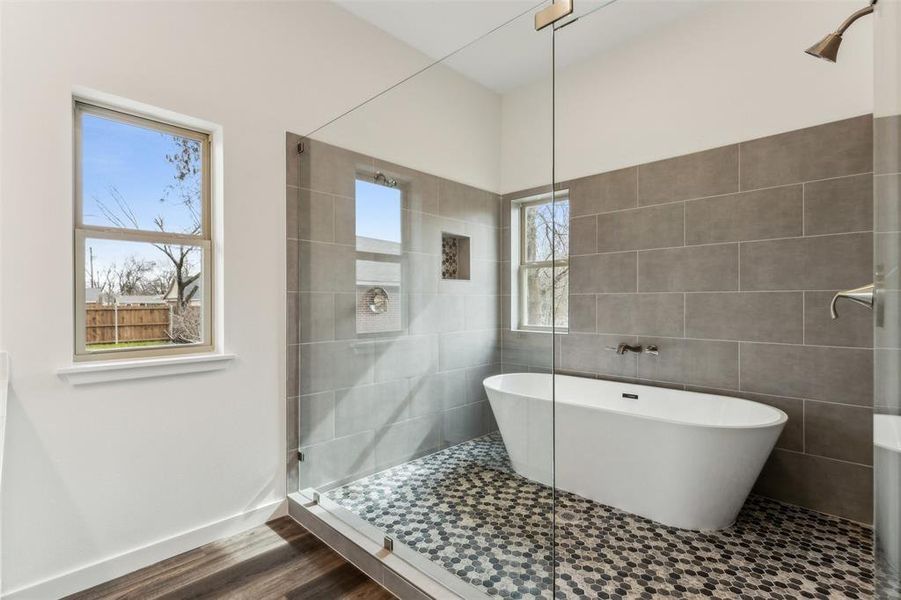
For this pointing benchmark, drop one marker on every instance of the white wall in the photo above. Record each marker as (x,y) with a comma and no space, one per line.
(730,72)
(94,472)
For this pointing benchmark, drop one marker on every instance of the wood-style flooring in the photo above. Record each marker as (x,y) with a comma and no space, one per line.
(279,560)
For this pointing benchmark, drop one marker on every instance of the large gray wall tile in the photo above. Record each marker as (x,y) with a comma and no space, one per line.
(697,175)
(689,269)
(421,272)
(823,484)
(843,375)
(650,227)
(468,349)
(411,356)
(407,440)
(528,348)
(594,354)
(332,170)
(326,267)
(830,150)
(466,203)
(659,314)
(839,205)
(333,365)
(600,273)
(748,316)
(463,423)
(292,259)
(614,190)
(437,392)
(293,317)
(839,431)
(338,459)
(583,235)
(582,313)
(368,407)
(691,362)
(887,202)
(315,217)
(475,377)
(317,316)
(435,313)
(814,263)
(887,144)
(761,214)
(316,418)
(482,312)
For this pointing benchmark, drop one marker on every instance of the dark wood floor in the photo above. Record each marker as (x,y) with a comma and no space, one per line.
(280,560)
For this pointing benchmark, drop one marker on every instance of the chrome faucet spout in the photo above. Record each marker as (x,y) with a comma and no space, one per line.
(623,348)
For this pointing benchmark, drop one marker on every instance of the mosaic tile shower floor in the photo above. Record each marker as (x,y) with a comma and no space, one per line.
(467,510)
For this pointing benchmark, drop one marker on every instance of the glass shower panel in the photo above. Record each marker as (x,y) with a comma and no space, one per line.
(409,286)
(887,318)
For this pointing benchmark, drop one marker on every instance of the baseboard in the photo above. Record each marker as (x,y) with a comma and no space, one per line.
(122,564)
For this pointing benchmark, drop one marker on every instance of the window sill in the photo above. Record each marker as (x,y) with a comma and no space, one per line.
(558,330)
(123,370)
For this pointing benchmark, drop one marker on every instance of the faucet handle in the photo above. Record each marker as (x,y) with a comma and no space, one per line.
(652,350)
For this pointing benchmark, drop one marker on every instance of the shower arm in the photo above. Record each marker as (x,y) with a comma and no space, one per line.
(850,20)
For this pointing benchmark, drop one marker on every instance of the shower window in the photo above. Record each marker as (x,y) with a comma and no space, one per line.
(379,252)
(143,241)
(543,249)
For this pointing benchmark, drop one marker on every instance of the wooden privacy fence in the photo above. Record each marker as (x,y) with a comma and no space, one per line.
(118,324)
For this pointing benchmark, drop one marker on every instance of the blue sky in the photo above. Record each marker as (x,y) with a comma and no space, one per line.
(378,211)
(132,160)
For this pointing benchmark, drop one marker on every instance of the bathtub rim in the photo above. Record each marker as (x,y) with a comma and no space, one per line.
(781,416)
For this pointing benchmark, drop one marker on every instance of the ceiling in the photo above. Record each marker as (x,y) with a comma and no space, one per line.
(494,42)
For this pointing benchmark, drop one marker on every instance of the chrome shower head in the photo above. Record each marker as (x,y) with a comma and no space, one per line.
(827,48)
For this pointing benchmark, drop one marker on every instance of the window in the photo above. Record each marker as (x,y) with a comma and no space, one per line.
(143,244)
(543,251)
(379,251)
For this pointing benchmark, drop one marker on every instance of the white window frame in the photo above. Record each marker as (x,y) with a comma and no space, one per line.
(83,231)
(518,253)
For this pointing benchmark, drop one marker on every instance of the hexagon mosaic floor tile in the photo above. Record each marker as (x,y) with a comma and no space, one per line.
(465,509)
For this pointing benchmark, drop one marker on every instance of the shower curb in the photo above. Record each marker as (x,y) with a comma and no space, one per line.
(388,570)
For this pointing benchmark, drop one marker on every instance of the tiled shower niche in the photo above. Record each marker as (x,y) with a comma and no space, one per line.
(454,256)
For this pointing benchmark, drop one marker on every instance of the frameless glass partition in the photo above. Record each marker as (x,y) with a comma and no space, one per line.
(426,298)
(719,195)
(887,321)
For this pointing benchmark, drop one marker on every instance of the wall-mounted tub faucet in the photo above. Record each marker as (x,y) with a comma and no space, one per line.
(865,295)
(623,348)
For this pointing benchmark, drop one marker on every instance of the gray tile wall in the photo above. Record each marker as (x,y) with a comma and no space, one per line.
(361,403)
(727,259)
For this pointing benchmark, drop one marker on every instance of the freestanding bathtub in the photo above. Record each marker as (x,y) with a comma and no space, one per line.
(679,458)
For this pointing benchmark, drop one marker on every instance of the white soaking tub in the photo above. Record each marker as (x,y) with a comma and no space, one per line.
(679,458)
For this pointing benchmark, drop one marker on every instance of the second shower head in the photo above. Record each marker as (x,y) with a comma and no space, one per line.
(827,48)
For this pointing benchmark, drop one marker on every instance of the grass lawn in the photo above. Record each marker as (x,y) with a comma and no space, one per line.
(113,346)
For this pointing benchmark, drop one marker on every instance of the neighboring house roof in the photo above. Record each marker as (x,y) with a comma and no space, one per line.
(367,244)
(138,299)
(92,295)
(172,294)
(378,272)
